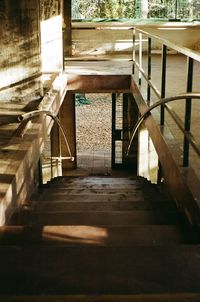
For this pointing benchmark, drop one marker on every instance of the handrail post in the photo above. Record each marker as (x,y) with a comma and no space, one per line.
(163,83)
(188,109)
(133,51)
(113,128)
(149,70)
(140,58)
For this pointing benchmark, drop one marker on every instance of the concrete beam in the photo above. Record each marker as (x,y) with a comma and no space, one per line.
(99,83)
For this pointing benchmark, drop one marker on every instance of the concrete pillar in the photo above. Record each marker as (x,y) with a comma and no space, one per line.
(67,118)
(67,33)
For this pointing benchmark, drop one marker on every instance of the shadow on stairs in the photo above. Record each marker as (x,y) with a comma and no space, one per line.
(99,239)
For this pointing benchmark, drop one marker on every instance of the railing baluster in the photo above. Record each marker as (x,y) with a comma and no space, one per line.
(133,54)
(149,71)
(140,58)
(113,128)
(188,109)
(163,83)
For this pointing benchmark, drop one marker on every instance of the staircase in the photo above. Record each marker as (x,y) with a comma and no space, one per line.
(99,239)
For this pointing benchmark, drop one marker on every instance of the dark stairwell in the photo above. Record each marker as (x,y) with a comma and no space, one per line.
(107,236)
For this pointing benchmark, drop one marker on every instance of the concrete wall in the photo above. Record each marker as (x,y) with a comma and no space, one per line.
(108,38)
(30,38)
(49,9)
(20,51)
(51,35)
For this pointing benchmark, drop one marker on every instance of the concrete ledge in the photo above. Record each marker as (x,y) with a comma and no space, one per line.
(99,83)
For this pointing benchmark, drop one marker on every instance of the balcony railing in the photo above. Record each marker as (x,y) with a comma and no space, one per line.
(139,38)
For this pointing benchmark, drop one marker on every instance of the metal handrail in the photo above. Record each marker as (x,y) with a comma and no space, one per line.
(34,113)
(161,93)
(157,104)
(183,50)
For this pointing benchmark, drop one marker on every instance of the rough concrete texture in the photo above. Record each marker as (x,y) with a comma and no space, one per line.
(50,8)
(19,47)
(108,38)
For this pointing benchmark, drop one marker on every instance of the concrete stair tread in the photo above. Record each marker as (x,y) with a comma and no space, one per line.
(85,205)
(101,217)
(94,235)
(164,297)
(99,270)
(104,191)
(59,195)
(103,184)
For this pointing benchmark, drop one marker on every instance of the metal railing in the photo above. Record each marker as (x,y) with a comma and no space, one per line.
(35,113)
(184,126)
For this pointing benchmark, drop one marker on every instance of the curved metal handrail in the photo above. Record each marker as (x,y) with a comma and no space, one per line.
(31,114)
(160,102)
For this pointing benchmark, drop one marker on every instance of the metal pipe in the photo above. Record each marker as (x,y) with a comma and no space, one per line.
(160,102)
(133,52)
(163,83)
(32,114)
(149,71)
(188,111)
(140,58)
(153,87)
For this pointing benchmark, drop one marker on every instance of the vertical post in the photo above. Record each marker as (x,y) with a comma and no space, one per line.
(176,9)
(113,128)
(55,151)
(133,52)
(188,109)
(40,175)
(149,71)
(163,83)
(68,120)
(67,27)
(140,58)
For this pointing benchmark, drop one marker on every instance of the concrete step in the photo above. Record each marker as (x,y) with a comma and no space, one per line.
(166,297)
(99,218)
(58,195)
(99,185)
(83,235)
(92,191)
(86,205)
(49,270)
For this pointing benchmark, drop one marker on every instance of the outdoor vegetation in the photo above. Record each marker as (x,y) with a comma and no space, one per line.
(136,9)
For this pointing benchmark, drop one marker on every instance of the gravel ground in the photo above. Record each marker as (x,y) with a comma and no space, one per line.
(93,124)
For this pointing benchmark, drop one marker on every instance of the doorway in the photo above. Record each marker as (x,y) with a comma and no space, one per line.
(104,123)
(93,132)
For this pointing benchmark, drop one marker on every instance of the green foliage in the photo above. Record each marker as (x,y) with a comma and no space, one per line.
(127,9)
(81,100)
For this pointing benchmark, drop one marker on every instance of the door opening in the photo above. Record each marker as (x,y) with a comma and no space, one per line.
(104,123)
(93,132)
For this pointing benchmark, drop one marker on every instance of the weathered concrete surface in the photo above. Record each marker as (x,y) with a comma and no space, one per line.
(108,38)
(19,48)
(19,154)
(51,35)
